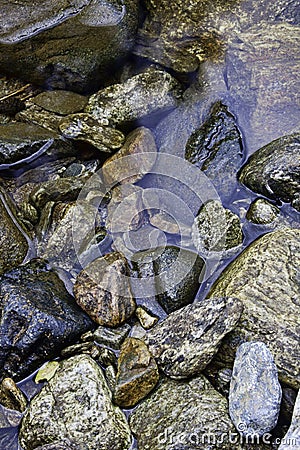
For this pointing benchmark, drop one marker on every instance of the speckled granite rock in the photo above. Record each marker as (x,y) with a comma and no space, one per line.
(75,410)
(255,393)
(292,438)
(274,170)
(186,341)
(183,415)
(262,212)
(103,290)
(65,44)
(265,277)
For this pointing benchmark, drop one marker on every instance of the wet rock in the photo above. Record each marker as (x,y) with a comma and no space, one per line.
(20,141)
(146,319)
(216,229)
(265,277)
(134,160)
(146,93)
(185,415)
(137,373)
(292,438)
(11,396)
(65,45)
(75,409)
(263,81)
(185,342)
(13,239)
(61,102)
(102,289)
(35,115)
(38,318)
(216,148)
(171,274)
(262,212)
(111,338)
(82,127)
(255,392)
(274,170)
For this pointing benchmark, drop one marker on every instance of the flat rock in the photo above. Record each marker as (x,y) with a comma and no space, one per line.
(61,102)
(38,318)
(103,290)
(183,415)
(274,170)
(292,438)
(74,410)
(255,393)
(265,278)
(137,373)
(185,342)
(147,93)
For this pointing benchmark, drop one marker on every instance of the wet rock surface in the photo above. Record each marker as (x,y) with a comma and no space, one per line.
(38,317)
(137,373)
(75,410)
(255,393)
(293,435)
(265,278)
(186,341)
(262,212)
(102,289)
(167,418)
(274,170)
(61,102)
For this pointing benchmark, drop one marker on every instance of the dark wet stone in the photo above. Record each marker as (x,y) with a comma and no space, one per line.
(137,373)
(11,106)
(75,411)
(171,274)
(184,343)
(61,102)
(262,212)
(65,44)
(38,318)
(13,239)
(183,415)
(19,141)
(111,338)
(265,277)
(292,438)
(147,93)
(216,148)
(102,289)
(255,393)
(274,170)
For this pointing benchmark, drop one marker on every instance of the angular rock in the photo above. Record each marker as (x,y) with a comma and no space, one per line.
(262,212)
(183,415)
(111,338)
(20,141)
(274,170)
(255,393)
(185,342)
(84,128)
(147,320)
(38,318)
(216,148)
(61,102)
(11,396)
(171,274)
(65,44)
(292,438)
(74,410)
(137,373)
(133,161)
(13,239)
(103,290)
(265,277)
(216,229)
(146,93)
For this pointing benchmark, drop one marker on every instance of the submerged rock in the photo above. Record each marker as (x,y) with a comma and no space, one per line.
(183,415)
(137,373)
(38,318)
(255,392)
(75,411)
(265,277)
(292,438)
(65,45)
(274,170)
(185,342)
(103,290)
(262,212)
(61,102)
(147,93)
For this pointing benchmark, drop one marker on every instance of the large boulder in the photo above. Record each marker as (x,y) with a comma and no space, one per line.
(65,44)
